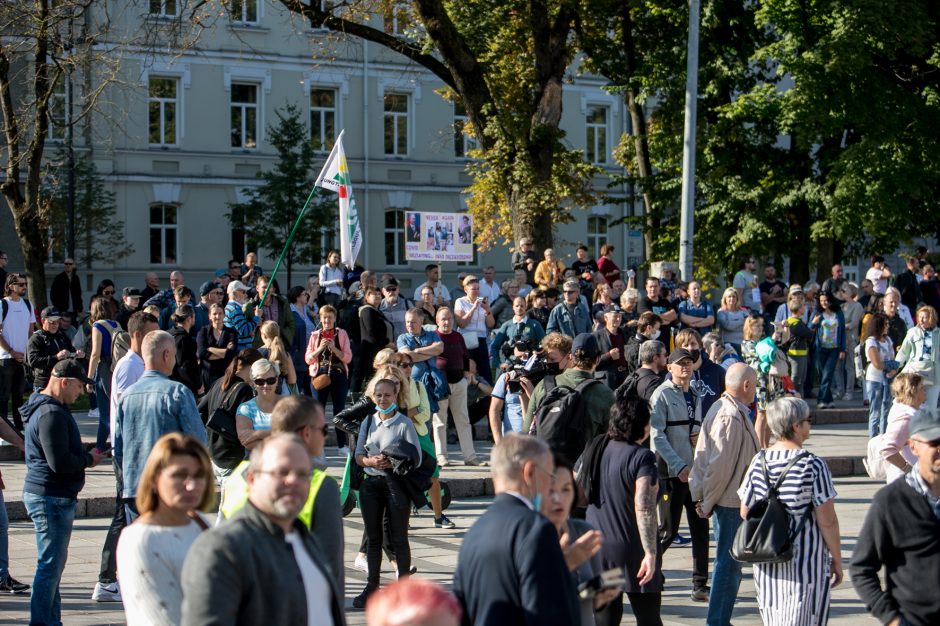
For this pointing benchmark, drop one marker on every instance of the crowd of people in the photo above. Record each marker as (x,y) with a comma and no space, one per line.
(664,402)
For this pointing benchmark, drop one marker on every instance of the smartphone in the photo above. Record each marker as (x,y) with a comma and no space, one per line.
(106,451)
(611,579)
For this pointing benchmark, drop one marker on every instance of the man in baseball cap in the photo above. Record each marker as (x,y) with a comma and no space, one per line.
(47,347)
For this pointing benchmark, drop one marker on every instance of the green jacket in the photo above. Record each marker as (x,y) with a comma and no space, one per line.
(598,398)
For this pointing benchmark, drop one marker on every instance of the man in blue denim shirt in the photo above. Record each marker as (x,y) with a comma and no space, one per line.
(149,409)
(570,316)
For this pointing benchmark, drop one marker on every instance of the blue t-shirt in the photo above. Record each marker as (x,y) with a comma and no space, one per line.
(512,405)
(259,420)
(703,310)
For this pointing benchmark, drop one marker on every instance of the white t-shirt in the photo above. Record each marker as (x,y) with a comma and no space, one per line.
(885,350)
(316,586)
(488,291)
(477,323)
(439,292)
(128,370)
(16,327)
(748,282)
(880,284)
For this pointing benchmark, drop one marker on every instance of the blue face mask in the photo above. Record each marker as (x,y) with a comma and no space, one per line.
(390,409)
(537,502)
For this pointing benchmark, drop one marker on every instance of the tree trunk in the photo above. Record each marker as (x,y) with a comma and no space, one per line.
(32,241)
(644,170)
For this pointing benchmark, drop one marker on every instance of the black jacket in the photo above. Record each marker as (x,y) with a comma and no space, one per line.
(123,315)
(55,457)
(407,477)
(66,293)
(41,351)
(186,370)
(647,382)
(607,367)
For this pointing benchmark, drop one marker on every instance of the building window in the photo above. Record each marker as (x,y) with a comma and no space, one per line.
(164,234)
(323,118)
(244,116)
(163,8)
(163,105)
(327,239)
(244,10)
(398,18)
(463,143)
(58,111)
(596,234)
(396,124)
(395,237)
(596,129)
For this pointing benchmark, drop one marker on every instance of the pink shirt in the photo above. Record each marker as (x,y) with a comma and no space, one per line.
(895,436)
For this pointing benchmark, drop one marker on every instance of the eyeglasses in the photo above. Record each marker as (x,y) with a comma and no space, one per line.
(261,382)
(571,291)
(325,429)
(391,289)
(20,284)
(283,475)
(107,292)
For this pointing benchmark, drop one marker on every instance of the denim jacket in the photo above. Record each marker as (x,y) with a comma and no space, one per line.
(426,372)
(562,321)
(149,409)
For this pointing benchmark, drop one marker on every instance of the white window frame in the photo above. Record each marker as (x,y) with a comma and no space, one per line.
(245,106)
(243,5)
(57,132)
(393,233)
(162,101)
(163,12)
(163,229)
(591,141)
(597,236)
(325,144)
(392,25)
(395,116)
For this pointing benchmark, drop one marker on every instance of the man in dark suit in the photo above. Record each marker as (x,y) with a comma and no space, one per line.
(511,569)
(66,290)
(414,227)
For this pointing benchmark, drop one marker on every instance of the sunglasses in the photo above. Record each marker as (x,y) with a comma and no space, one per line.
(108,292)
(20,284)
(67,263)
(261,382)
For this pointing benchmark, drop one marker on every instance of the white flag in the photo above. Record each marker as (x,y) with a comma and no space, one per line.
(335,177)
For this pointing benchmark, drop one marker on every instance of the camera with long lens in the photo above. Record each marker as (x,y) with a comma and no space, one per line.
(533,366)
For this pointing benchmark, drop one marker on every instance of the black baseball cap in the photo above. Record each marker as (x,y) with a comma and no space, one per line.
(131,292)
(51,313)
(586,343)
(678,354)
(71,368)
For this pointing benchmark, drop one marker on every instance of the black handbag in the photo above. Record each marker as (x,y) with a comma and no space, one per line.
(357,473)
(764,535)
(222,436)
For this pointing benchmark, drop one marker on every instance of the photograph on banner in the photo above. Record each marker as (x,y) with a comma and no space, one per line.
(438,236)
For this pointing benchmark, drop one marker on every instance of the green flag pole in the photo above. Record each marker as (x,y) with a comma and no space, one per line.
(290,238)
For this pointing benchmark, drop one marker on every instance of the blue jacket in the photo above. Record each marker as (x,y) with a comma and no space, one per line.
(426,371)
(562,321)
(55,457)
(840,331)
(245,328)
(149,409)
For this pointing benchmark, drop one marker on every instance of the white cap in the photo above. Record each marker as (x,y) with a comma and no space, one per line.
(236,285)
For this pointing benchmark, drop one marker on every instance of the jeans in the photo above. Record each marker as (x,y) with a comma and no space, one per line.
(4,539)
(826,361)
(670,514)
(107,573)
(646,608)
(879,401)
(798,370)
(338,390)
(104,413)
(726,578)
(52,518)
(12,382)
(375,500)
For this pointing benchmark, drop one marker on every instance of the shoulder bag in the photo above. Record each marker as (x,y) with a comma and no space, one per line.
(224,447)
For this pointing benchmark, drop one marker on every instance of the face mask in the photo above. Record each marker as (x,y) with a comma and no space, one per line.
(696,354)
(390,409)
(655,335)
(537,502)
(553,368)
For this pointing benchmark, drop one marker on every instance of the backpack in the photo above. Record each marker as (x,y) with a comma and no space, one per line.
(559,418)
(6,309)
(120,344)
(764,535)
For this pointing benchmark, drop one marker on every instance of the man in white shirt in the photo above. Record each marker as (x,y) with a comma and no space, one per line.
(16,327)
(489,287)
(126,372)
(432,275)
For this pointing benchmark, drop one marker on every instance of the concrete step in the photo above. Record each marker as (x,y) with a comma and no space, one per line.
(841,415)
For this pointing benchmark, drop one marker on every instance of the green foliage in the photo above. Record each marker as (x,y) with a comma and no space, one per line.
(269,214)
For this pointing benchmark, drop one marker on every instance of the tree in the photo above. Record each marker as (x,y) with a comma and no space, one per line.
(269,215)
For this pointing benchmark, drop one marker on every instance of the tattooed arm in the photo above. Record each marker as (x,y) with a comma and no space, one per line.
(645,503)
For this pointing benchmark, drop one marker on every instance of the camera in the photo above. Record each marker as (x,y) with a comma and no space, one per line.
(533,369)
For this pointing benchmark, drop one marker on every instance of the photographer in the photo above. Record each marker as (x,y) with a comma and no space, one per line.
(47,347)
(521,326)
(506,408)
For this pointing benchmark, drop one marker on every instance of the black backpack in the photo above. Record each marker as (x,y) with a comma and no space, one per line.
(764,535)
(560,417)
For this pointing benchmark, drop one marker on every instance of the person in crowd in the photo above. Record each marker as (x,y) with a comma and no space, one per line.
(784,312)
(879,353)
(676,421)
(866,297)
(493,584)
(175,486)
(796,591)
(127,371)
(474,319)
(16,327)
(305,325)
(647,328)
(907,283)
(394,305)
(209,293)
(708,378)
(878,274)
(273,349)
(454,363)
(899,318)
(752,333)
(379,497)
(489,287)
(502,307)
(731,318)
(524,259)
(413,602)
(909,391)
(726,445)
(650,375)
(611,340)
(253,417)
(235,317)
(521,326)
(584,267)
(606,265)
(165,298)
(4,259)
(275,308)
(829,326)
(745,284)
(100,362)
(151,286)
(853,312)
(719,352)
(250,270)
(48,346)
(425,305)
(377,333)
(537,304)
(557,508)
(801,336)
(773,292)
(181,297)
(106,290)
(901,535)
(570,316)
(930,286)
(624,511)
(596,400)
(216,345)
(600,300)
(329,354)
(150,408)
(653,302)
(506,410)
(432,279)
(130,304)
(8,584)
(222,279)
(628,303)
(242,572)
(314,295)
(331,278)
(186,370)
(56,462)
(836,280)
(696,312)
(550,272)
(65,293)
(321,514)
(919,352)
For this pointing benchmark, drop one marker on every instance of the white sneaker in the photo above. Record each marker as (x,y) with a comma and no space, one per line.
(361,563)
(94,413)
(106,593)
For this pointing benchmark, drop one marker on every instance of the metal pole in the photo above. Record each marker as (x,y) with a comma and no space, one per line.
(688,147)
(70,149)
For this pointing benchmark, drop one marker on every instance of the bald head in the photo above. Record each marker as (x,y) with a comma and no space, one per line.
(741,382)
(159,351)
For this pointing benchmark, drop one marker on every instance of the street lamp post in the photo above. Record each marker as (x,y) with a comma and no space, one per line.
(687,226)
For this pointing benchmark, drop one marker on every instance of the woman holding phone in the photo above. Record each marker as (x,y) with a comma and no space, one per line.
(474,321)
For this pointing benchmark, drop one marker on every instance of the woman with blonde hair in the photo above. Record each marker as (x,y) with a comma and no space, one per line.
(253,418)
(909,392)
(731,318)
(272,347)
(752,333)
(174,486)
(919,353)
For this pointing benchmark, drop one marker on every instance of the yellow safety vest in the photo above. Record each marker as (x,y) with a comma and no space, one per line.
(236,493)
